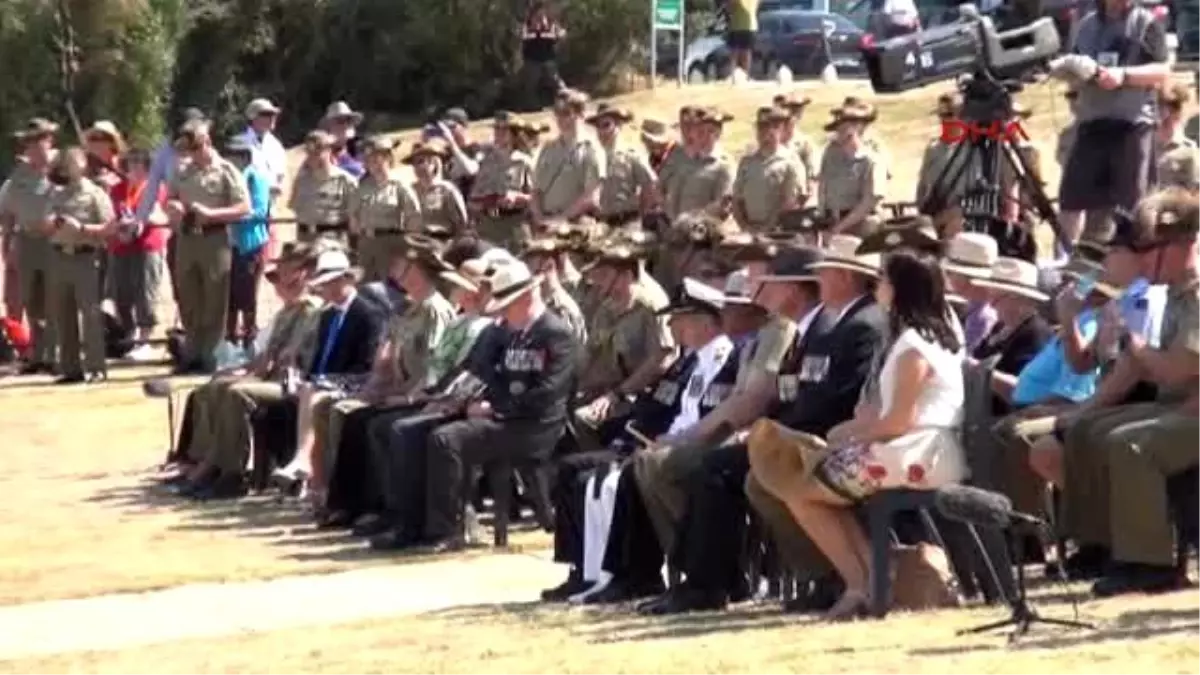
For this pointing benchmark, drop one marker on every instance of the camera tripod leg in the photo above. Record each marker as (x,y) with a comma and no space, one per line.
(989,627)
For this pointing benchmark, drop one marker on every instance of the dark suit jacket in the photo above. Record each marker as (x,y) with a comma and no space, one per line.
(534,378)
(1015,350)
(354,351)
(837,360)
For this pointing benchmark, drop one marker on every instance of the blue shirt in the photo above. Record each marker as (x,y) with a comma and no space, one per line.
(350,165)
(1048,375)
(250,234)
(162,166)
(1142,308)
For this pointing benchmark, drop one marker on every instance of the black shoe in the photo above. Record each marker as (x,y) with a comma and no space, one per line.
(1089,562)
(335,520)
(572,586)
(370,525)
(1129,578)
(175,479)
(451,544)
(35,368)
(687,599)
(97,377)
(618,591)
(229,486)
(71,378)
(392,540)
(647,606)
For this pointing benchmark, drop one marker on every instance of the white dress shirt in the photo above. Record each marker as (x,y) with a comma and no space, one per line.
(709,361)
(268,156)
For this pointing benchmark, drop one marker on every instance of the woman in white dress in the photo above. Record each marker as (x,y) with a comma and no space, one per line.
(909,441)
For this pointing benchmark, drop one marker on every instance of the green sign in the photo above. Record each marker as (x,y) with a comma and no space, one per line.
(668,14)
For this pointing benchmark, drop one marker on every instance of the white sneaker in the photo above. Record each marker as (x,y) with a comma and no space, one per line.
(143,353)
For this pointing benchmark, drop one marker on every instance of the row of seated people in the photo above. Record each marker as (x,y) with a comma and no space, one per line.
(392,416)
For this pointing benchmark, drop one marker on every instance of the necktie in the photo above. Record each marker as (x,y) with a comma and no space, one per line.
(330,341)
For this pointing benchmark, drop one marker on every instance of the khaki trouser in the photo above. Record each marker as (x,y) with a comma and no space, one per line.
(203,266)
(234,431)
(334,420)
(798,553)
(1086,494)
(1017,433)
(1142,456)
(375,254)
(75,299)
(660,474)
(509,231)
(205,402)
(35,257)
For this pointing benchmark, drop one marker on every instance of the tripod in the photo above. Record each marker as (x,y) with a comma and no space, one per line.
(1023,615)
(987,103)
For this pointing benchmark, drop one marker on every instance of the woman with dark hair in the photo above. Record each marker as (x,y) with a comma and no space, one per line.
(910,441)
(540,34)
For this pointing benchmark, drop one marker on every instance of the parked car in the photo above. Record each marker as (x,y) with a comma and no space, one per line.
(1187,27)
(795,38)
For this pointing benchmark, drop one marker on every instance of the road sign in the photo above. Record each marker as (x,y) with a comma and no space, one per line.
(668,14)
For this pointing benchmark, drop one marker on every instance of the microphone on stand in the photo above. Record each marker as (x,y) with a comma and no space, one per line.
(981,507)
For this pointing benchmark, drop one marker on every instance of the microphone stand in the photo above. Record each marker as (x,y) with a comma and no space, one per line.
(1024,616)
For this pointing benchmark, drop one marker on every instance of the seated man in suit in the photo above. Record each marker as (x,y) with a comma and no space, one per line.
(348,336)
(289,343)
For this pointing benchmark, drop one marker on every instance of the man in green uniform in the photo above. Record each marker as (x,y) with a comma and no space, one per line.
(629,183)
(322,191)
(570,169)
(23,201)
(852,176)
(502,189)
(382,209)
(800,143)
(546,256)
(442,205)
(769,181)
(205,195)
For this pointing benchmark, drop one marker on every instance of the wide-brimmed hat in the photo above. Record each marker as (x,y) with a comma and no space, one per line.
(841,252)
(655,131)
(769,114)
(428,259)
(292,252)
(527,126)
(509,282)
(36,127)
(794,265)
(695,297)
(469,276)
(430,148)
(917,234)
(608,111)
(261,106)
(792,103)
(851,113)
(320,137)
(971,254)
(1087,259)
(107,131)
(379,145)
(712,115)
(340,110)
(333,264)
(738,290)
(1015,276)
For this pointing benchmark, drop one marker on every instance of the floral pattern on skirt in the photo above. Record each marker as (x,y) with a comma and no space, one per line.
(855,472)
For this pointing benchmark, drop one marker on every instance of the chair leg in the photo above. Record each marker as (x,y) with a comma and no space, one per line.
(880,525)
(537,484)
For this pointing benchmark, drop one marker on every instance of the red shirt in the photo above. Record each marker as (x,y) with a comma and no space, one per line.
(125,198)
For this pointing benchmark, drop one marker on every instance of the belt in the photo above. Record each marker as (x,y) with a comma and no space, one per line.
(202,230)
(382,232)
(74,249)
(322,229)
(503,211)
(622,218)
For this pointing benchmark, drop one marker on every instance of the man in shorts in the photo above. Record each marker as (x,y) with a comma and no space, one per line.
(739,37)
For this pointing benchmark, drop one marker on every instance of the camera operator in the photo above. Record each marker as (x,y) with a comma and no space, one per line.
(1110,165)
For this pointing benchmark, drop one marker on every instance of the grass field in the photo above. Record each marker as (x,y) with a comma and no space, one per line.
(79,519)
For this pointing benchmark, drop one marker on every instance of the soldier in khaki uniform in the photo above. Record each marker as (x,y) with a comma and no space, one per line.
(322,191)
(205,195)
(769,181)
(661,149)
(570,169)
(382,209)
(546,256)
(852,176)
(873,142)
(78,219)
(23,201)
(441,203)
(503,186)
(938,153)
(628,188)
(1179,159)
(801,143)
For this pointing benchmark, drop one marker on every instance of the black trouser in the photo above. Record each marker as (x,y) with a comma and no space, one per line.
(633,554)
(400,460)
(568,496)
(352,484)
(714,530)
(186,428)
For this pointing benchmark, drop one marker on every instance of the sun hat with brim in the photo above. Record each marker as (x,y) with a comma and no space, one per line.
(379,145)
(841,252)
(470,276)
(794,265)
(428,260)
(421,150)
(528,127)
(655,131)
(320,138)
(695,297)
(261,106)
(738,291)
(291,253)
(509,282)
(1015,276)
(605,111)
(340,110)
(37,127)
(854,113)
(769,115)
(971,254)
(712,115)
(916,234)
(331,265)
(105,130)
(791,103)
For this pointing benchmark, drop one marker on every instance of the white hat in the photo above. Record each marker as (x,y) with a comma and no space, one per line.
(261,106)
(971,254)
(341,110)
(333,264)
(469,275)
(1016,276)
(509,282)
(695,297)
(737,288)
(495,257)
(840,254)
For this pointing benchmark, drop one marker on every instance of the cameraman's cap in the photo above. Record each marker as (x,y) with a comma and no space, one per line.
(794,265)
(571,100)
(610,112)
(35,128)
(770,115)
(319,138)
(259,107)
(793,104)
(456,116)
(971,254)
(695,297)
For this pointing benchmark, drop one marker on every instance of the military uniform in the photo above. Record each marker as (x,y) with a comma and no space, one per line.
(625,340)
(500,172)
(700,185)
(564,170)
(322,200)
(442,205)
(670,164)
(25,197)
(846,179)
(806,152)
(382,211)
(74,287)
(559,301)
(204,257)
(1181,168)
(627,175)
(765,184)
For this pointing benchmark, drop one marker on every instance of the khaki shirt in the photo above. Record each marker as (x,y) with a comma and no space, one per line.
(559,301)
(564,171)
(86,202)
(626,175)
(384,205)
(218,185)
(24,198)
(501,171)
(293,333)
(701,183)
(322,197)
(846,179)
(1177,163)
(764,183)
(806,150)
(627,338)
(1181,330)
(442,204)
(414,335)
(676,159)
